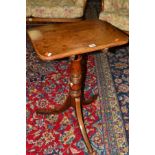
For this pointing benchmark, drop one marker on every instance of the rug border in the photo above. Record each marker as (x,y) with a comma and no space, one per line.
(110,105)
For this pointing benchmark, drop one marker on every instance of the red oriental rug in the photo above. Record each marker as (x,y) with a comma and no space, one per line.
(47,86)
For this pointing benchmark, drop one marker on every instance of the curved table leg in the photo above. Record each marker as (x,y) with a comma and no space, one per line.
(60,109)
(82,126)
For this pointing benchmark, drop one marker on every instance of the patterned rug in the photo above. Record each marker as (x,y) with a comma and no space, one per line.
(119,66)
(47,86)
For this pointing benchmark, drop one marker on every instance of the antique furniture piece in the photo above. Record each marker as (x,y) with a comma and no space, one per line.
(56,41)
(116,12)
(54,10)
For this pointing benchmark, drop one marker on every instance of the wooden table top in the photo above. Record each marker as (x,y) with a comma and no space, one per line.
(61,40)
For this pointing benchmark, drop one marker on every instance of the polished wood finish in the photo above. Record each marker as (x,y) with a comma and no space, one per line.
(56,41)
(82,126)
(69,40)
(48,20)
(75,77)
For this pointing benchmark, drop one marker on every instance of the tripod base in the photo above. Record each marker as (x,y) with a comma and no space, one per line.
(74,99)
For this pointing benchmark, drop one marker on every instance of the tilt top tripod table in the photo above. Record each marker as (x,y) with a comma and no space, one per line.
(56,41)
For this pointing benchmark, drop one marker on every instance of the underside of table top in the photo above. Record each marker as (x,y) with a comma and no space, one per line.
(57,41)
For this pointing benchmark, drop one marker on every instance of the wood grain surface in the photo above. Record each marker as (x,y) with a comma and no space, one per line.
(61,40)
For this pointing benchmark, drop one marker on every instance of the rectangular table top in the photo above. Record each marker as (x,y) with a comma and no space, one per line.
(61,40)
